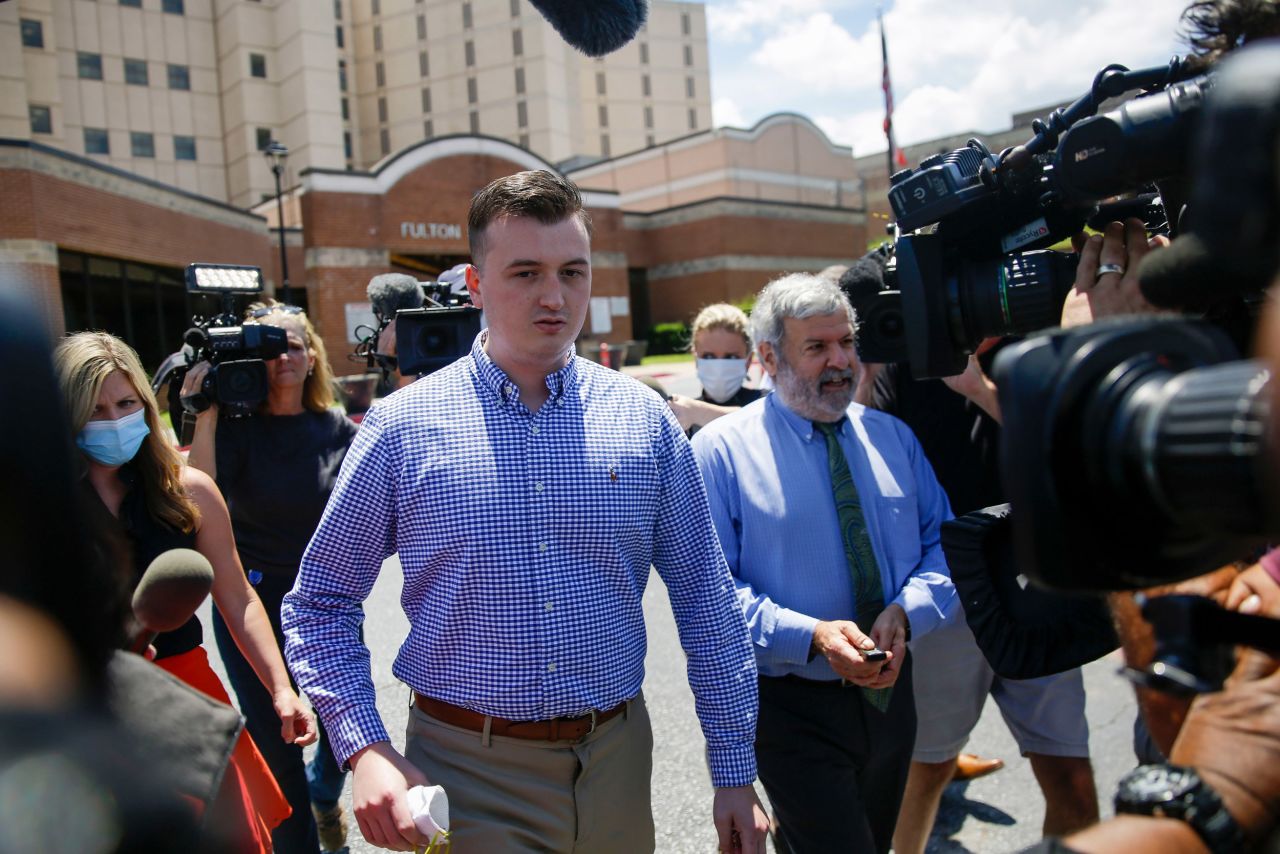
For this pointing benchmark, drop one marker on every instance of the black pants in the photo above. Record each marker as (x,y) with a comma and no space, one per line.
(833,765)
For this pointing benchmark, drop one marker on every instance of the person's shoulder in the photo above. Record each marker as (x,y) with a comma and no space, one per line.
(426,395)
(882,427)
(198,485)
(605,386)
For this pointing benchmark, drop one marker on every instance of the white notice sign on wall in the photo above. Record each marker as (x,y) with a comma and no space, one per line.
(601,317)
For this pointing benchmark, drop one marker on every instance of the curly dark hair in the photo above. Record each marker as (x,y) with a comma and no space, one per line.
(1215,27)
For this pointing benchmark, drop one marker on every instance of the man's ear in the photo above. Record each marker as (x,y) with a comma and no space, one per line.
(768,357)
(472,274)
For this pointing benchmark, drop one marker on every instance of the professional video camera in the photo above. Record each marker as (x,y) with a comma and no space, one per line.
(435,322)
(237,378)
(973,263)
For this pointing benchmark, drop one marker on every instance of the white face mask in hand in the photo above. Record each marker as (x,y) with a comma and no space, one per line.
(721,378)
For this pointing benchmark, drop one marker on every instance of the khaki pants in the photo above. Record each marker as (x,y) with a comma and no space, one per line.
(510,794)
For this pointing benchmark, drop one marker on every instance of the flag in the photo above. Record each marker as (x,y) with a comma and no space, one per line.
(897,160)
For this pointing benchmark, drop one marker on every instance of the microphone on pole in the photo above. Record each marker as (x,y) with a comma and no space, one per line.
(392,292)
(170,591)
(595,27)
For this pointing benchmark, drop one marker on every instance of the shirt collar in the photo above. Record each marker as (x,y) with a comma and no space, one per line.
(802,426)
(497,381)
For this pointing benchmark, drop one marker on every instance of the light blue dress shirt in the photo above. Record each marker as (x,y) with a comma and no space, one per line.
(770,491)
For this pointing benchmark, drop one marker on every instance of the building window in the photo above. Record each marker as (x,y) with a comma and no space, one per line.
(346,144)
(472,94)
(475,121)
(600,83)
(428,129)
(384,141)
(137,4)
(422,27)
(646,88)
(515,11)
(96,141)
(603,115)
(467,22)
(426,100)
(337,10)
(142,144)
(522,114)
(469,51)
(377,38)
(688,87)
(685,27)
(342,75)
(184,148)
(89,65)
(338,37)
(524,140)
(604,145)
(517,43)
(688,54)
(135,72)
(519,81)
(41,118)
(179,77)
(173,7)
(375,6)
(644,53)
(424,66)
(649,140)
(257,65)
(648,117)
(32,33)
(380,74)
(262,137)
(382,109)
(346,110)
(693,119)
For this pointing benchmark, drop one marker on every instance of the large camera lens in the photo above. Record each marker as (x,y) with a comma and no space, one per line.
(238,386)
(427,339)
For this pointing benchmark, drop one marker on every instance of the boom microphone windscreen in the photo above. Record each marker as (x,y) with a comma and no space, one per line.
(391,292)
(171,590)
(595,27)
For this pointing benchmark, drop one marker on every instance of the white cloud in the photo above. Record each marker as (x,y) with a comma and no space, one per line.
(737,20)
(726,112)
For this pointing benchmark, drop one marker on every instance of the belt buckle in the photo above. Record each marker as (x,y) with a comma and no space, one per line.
(595,718)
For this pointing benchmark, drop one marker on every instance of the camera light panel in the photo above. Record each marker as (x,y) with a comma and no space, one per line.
(223,279)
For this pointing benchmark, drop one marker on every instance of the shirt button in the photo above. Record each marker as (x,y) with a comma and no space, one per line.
(549,606)
(507,388)
(542,547)
(551,668)
(534,430)
(538,486)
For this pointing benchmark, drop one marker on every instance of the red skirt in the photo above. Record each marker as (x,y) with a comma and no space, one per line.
(249,797)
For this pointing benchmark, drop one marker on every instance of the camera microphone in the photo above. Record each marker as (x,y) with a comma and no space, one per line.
(170,591)
(595,27)
(392,292)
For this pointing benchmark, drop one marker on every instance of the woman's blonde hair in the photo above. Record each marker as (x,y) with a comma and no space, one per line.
(721,315)
(317,391)
(84,360)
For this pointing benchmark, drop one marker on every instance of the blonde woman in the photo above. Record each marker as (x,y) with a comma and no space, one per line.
(162,504)
(276,469)
(721,345)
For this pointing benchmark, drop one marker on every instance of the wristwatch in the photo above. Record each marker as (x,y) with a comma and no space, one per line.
(1176,791)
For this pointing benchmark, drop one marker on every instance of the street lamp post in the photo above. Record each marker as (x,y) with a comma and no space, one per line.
(276,154)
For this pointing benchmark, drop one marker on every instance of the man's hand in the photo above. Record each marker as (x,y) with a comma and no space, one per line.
(842,643)
(1111,293)
(976,386)
(740,821)
(890,634)
(297,723)
(380,782)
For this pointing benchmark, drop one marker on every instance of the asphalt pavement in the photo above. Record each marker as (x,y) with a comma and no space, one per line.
(999,813)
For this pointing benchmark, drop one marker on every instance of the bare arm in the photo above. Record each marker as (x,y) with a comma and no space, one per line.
(243,611)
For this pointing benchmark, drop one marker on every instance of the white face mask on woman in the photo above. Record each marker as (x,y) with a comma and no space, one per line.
(721,378)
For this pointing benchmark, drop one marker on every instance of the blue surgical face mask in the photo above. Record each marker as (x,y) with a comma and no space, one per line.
(114,443)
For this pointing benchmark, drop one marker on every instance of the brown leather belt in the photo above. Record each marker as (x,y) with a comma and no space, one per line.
(556,729)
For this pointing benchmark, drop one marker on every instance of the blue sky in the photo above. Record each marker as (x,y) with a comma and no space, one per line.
(957,65)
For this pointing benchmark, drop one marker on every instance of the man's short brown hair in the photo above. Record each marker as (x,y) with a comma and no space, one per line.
(545,196)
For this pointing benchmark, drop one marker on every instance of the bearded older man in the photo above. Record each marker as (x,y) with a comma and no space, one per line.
(829,516)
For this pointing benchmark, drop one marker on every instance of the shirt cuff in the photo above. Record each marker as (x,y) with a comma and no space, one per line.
(923,613)
(732,766)
(355,729)
(792,637)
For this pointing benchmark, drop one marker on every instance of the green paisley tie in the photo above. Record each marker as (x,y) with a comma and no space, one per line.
(868,592)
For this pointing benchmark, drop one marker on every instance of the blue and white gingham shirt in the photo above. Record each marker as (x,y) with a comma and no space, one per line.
(526,541)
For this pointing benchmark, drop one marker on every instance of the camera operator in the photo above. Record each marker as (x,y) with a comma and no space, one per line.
(276,469)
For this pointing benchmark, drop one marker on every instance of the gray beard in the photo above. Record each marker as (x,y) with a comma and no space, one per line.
(807,400)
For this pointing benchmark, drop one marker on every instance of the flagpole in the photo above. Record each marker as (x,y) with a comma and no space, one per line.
(888,95)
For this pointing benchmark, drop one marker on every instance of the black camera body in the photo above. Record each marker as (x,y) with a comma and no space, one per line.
(969,269)
(437,334)
(237,378)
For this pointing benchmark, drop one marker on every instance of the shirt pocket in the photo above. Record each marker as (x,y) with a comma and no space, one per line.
(899,526)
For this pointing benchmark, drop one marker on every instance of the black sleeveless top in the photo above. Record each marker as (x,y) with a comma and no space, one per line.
(149,537)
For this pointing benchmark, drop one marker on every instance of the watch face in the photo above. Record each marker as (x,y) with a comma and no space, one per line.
(1154,784)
